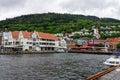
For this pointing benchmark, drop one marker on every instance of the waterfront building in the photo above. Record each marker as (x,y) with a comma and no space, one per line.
(95,42)
(46,42)
(113,41)
(62,43)
(7,41)
(0,39)
(82,41)
(31,41)
(25,40)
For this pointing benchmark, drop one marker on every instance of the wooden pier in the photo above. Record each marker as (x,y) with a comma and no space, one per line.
(102,73)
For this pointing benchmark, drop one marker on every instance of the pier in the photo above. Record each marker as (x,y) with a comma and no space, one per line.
(111,73)
(25,52)
(91,52)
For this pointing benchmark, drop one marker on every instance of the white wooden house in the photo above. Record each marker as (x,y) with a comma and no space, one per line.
(31,41)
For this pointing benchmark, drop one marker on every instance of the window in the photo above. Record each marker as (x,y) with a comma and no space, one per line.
(112,62)
(117,62)
(17,43)
(5,43)
(21,42)
(37,43)
(30,42)
(33,43)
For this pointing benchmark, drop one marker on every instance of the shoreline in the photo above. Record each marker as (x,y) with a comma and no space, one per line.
(91,52)
(25,52)
(70,51)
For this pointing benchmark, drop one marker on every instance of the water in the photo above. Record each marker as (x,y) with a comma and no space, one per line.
(73,66)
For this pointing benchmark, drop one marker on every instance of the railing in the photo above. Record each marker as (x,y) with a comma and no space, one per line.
(98,75)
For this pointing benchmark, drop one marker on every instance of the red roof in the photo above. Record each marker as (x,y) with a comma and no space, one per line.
(27,34)
(47,36)
(15,34)
(113,41)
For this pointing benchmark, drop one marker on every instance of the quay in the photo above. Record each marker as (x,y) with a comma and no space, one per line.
(91,52)
(25,52)
(38,52)
(67,51)
(111,73)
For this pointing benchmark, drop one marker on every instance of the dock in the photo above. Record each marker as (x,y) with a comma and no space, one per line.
(25,52)
(91,52)
(112,73)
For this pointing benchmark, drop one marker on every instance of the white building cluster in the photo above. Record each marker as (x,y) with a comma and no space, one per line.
(32,41)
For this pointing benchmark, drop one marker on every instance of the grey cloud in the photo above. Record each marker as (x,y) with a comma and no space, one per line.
(11,3)
(75,5)
(101,8)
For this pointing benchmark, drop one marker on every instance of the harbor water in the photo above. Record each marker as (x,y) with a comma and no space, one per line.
(57,66)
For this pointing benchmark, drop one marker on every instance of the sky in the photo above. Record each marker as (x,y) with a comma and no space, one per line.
(100,8)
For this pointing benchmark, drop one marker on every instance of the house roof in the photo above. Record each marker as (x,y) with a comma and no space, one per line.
(15,34)
(27,34)
(47,36)
(113,41)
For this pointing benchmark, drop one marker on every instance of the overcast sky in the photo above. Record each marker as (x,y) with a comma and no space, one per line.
(100,8)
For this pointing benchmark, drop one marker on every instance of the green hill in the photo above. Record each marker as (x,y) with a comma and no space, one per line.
(56,23)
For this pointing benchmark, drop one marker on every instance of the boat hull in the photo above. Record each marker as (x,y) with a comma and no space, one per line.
(113,61)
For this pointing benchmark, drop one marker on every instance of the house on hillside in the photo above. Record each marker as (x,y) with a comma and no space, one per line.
(82,41)
(95,42)
(113,42)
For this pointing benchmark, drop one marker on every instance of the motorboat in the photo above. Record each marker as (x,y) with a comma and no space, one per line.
(114,60)
(60,50)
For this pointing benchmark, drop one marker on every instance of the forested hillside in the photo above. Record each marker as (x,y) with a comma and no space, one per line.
(56,23)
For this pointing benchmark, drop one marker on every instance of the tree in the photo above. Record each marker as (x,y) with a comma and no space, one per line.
(100,45)
(76,36)
(76,44)
(61,23)
(118,45)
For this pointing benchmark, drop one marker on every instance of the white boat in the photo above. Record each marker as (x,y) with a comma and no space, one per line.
(114,60)
(60,50)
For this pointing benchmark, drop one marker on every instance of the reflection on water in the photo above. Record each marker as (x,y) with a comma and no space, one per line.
(73,66)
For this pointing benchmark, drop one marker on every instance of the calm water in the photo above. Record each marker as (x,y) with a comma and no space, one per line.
(61,66)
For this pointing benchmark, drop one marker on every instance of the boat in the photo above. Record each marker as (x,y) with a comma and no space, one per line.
(114,60)
(60,50)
